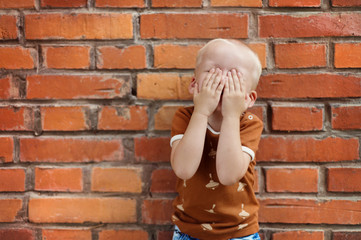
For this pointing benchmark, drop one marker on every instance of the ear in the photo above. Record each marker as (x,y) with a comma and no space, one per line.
(253,97)
(192,85)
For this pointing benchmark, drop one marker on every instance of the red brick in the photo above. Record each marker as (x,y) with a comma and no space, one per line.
(307,149)
(123,118)
(17,234)
(116,180)
(236,3)
(164,116)
(17,58)
(179,3)
(211,25)
(131,57)
(310,211)
(300,55)
(346,117)
(152,149)
(310,25)
(157,211)
(64,118)
(16,119)
(12,180)
(63,3)
(9,209)
(165,235)
(17,4)
(309,86)
(292,3)
(70,150)
(123,234)
(78,26)
(68,234)
(292,180)
(67,57)
(163,181)
(297,118)
(76,87)
(175,56)
(344,180)
(81,210)
(347,55)
(346,235)
(9,89)
(164,86)
(8,29)
(299,235)
(59,179)
(7,149)
(120,3)
(260,50)
(346,3)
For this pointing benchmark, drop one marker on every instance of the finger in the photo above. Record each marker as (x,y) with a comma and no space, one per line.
(226,87)
(231,82)
(212,78)
(237,80)
(195,91)
(216,81)
(207,78)
(220,87)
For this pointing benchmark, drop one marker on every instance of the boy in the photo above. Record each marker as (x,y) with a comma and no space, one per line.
(213,146)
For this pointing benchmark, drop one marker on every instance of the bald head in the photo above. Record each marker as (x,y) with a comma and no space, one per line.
(232,54)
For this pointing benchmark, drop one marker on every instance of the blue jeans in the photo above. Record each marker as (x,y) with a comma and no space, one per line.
(178,235)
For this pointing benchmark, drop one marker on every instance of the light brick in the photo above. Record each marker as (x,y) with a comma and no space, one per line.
(77,87)
(300,55)
(131,57)
(8,29)
(292,180)
(59,179)
(17,4)
(348,55)
(17,57)
(181,26)
(68,234)
(310,25)
(9,209)
(165,86)
(81,210)
(307,149)
(123,234)
(78,26)
(297,118)
(344,180)
(277,86)
(236,3)
(7,149)
(16,119)
(12,180)
(346,3)
(63,3)
(64,118)
(67,57)
(120,3)
(292,3)
(123,118)
(116,180)
(178,3)
(346,117)
(70,150)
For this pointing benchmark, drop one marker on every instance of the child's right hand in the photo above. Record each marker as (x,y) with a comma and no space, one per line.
(207,96)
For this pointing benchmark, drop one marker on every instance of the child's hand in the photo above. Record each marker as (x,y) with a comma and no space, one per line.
(206,98)
(235,98)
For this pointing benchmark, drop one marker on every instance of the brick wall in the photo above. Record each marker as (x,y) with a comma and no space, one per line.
(88,89)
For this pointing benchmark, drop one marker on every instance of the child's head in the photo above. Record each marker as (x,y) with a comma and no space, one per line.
(227,55)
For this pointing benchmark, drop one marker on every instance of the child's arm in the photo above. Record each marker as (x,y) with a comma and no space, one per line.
(187,152)
(232,163)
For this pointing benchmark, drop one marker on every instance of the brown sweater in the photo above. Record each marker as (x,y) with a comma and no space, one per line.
(206,209)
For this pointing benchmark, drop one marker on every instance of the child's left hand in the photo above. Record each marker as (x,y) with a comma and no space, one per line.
(235,99)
